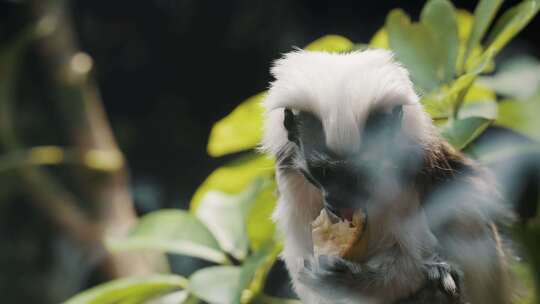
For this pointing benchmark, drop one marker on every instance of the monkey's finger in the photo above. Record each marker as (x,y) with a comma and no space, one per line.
(449,284)
(433,273)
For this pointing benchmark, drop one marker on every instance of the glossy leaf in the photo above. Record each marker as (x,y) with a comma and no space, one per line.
(518,77)
(331,43)
(509,25)
(223,215)
(172,231)
(465,23)
(240,130)
(442,103)
(143,288)
(520,116)
(524,273)
(260,227)
(266,299)
(177,297)
(483,16)
(480,101)
(254,272)
(215,285)
(380,40)
(473,61)
(414,46)
(234,177)
(462,132)
(439,17)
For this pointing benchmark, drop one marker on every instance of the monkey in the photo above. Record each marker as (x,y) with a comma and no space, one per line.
(348,132)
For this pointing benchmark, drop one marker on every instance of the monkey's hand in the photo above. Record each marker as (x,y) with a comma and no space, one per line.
(443,275)
(339,280)
(335,278)
(442,287)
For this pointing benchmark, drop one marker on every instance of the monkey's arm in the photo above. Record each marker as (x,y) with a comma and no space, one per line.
(462,205)
(342,281)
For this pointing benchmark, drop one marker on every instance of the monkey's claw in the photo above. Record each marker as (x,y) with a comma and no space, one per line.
(442,273)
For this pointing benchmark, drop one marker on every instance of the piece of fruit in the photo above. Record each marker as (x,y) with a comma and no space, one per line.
(336,237)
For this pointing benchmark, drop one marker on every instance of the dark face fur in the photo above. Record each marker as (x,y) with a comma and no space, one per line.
(386,162)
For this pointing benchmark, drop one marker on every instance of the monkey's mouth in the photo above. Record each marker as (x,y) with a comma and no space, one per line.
(344,214)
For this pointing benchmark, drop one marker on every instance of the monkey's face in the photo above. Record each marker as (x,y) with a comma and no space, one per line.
(386,162)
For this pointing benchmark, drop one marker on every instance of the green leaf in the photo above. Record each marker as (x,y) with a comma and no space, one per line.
(415,48)
(223,214)
(439,16)
(172,231)
(518,77)
(483,16)
(260,227)
(428,49)
(266,299)
(380,40)
(509,25)
(462,132)
(331,44)
(177,297)
(480,101)
(473,63)
(234,177)
(215,285)
(524,273)
(465,22)
(479,108)
(443,102)
(520,116)
(254,272)
(142,288)
(240,130)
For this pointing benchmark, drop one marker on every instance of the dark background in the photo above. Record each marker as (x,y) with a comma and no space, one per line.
(167,70)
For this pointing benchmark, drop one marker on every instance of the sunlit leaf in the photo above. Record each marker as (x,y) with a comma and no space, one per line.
(473,61)
(525,275)
(439,17)
(462,132)
(518,77)
(233,178)
(172,231)
(482,108)
(509,25)
(331,43)
(465,22)
(480,101)
(142,288)
(223,214)
(266,299)
(483,16)
(254,272)
(380,40)
(215,285)
(240,130)
(520,116)
(260,227)
(441,103)
(177,297)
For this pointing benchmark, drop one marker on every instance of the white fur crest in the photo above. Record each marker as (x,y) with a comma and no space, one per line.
(340,89)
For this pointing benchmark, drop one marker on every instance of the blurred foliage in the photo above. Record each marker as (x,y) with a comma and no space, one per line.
(229,223)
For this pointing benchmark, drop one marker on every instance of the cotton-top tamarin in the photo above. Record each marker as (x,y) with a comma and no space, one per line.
(349,134)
